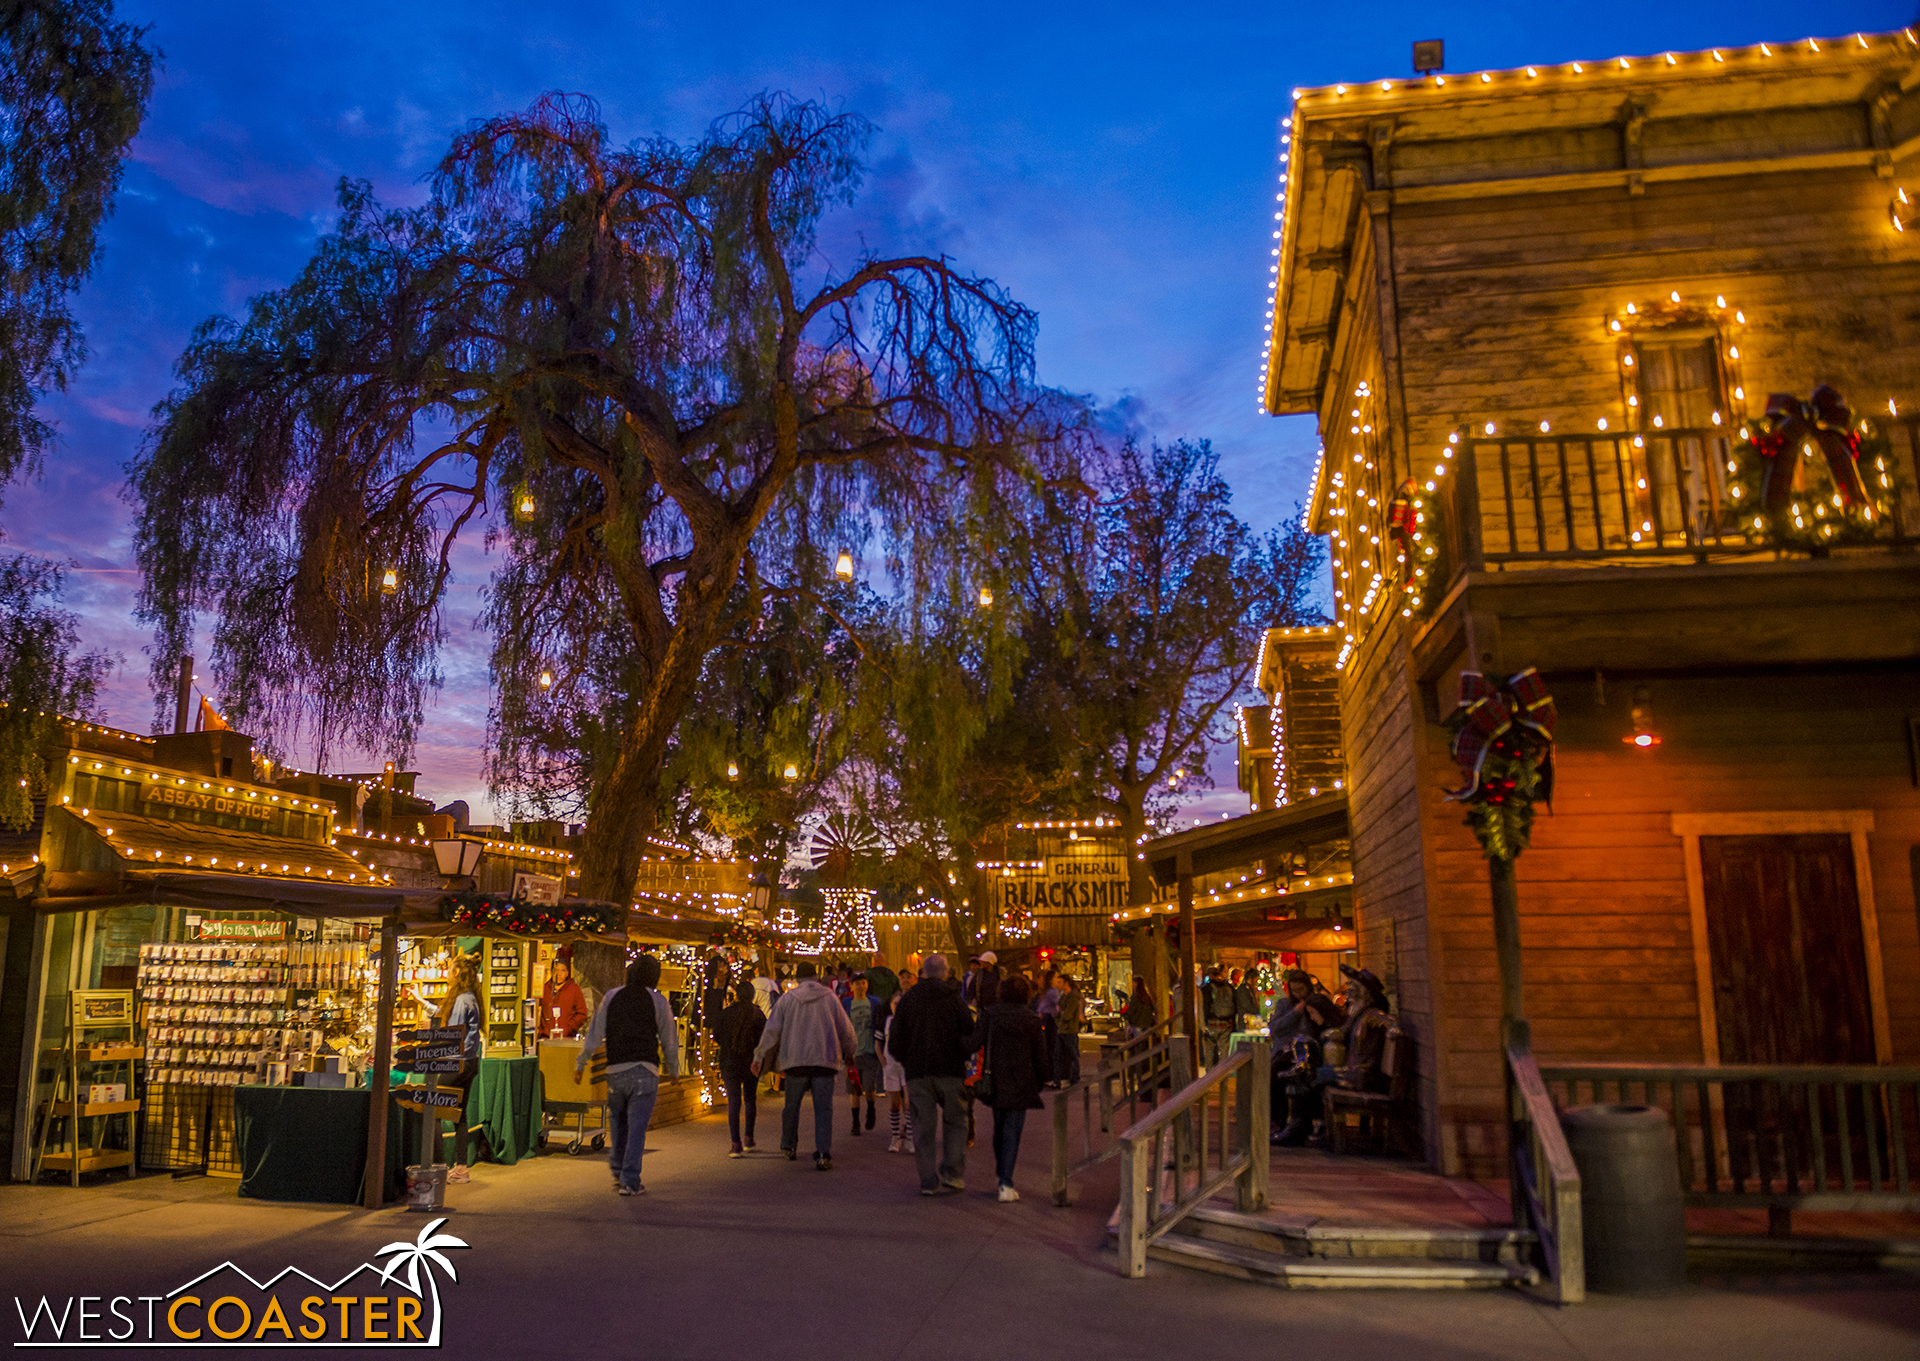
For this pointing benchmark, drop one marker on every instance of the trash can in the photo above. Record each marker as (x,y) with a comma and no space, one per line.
(427,1187)
(1634,1225)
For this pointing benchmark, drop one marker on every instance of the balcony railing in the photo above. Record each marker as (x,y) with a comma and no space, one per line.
(1660,494)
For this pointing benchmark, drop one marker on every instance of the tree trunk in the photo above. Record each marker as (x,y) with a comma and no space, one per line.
(1133,825)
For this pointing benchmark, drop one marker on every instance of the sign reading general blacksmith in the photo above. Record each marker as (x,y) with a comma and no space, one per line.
(1065,886)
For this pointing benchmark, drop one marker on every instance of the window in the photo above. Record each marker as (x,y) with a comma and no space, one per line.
(1678,395)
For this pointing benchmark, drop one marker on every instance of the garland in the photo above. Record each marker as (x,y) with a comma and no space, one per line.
(1807,476)
(741,933)
(1503,741)
(500,912)
(1414,528)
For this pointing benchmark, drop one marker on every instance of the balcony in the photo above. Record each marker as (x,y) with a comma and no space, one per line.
(1655,498)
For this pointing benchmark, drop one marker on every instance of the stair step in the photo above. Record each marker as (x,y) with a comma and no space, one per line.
(1313,1273)
(1309,1239)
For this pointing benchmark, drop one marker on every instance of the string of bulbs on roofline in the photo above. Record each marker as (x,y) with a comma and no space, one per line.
(1666,62)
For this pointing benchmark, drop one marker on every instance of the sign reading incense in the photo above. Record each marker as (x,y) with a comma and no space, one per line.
(428,1051)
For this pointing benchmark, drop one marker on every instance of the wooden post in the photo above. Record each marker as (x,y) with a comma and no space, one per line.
(1183,1141)
(1189,994)
(1134,1181)
(1506,943)
(373,1186)
(183,695)
(1514,1033)
(1254,1114)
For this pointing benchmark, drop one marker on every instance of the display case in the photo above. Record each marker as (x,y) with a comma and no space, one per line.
(506,971)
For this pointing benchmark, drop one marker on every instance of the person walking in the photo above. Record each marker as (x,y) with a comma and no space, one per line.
(1018,1065)
(1047,1007)
(809,1039)
(929,1038)
(736,1035)
(636,1023)
(1139,1012)
(863,1078)
(893,1077)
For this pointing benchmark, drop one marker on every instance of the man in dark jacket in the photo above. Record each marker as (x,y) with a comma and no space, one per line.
(736,1034)
(928,1039)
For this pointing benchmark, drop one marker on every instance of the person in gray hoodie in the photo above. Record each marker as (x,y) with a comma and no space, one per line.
(809,1039)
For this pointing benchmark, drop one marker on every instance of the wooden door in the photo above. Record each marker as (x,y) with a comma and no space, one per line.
(1789,961)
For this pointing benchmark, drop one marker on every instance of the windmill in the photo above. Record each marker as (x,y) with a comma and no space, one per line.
(840,842)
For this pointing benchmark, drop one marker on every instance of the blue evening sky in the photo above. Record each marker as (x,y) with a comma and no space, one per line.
(1112,165)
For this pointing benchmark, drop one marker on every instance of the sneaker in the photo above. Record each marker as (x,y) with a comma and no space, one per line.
(792,1153)
(458,1174)
(893,1145)
(822,1164)
(750,1147)
(931,1191)
(869,1115)
(629,1191)
(952,1188)
(1007,1193)
(908,1146)
(735,1152)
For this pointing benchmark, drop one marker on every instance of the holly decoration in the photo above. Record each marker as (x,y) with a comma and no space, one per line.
(1413,527)
(1503,742)
(499,912)
(1808,476)
(740,933)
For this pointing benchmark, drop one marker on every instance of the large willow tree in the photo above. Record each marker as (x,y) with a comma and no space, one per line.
(640,350)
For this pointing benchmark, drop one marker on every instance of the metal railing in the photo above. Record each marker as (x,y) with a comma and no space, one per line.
(1209,1135)
(1131,1074)
(1545,1181)
(1548,498)
(1842,1137)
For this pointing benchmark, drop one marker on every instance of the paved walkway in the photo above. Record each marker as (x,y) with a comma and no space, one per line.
(758,1257)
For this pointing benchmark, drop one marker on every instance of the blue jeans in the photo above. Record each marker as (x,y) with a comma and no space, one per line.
(743,1101)
(1007,1129)
(630,1097)
(799,1083)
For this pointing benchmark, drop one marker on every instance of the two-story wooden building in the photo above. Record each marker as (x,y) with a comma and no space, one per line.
(1540,316)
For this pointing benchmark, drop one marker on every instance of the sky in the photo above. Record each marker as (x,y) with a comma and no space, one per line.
(1112,165)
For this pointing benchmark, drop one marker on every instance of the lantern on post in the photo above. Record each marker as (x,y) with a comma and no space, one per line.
(523,506)
(986,597)
(843,566)
(390,581)
(792,772)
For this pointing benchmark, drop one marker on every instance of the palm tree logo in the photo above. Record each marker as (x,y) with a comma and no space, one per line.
(424,1248)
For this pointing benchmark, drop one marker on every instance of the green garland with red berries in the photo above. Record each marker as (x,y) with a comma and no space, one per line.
(500,912)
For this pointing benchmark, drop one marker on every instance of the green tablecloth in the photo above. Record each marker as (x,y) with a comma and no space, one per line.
(310,1143)
(1240,1039)
(503,1103)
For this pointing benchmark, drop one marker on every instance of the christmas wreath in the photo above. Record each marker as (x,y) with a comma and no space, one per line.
(1808,476)
(1414,529)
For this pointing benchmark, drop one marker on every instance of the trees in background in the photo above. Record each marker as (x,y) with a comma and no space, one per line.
(74,84)
(637,355)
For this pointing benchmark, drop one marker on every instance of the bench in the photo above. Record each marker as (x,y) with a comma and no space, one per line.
(1380,1114)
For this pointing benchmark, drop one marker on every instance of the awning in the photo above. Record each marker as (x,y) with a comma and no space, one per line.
(143,843)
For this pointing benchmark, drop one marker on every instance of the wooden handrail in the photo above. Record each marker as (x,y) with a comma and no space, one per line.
(1132,1076)
(1546,1178)
(1201,1164)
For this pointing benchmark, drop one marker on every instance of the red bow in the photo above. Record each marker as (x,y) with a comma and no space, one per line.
(1825,420)
(1520,710)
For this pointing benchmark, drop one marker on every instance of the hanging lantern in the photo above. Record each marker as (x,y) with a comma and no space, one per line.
(546,680)
(733,770)
(390,581)
(523,505)
(843,566)
(986,597)
(792,772)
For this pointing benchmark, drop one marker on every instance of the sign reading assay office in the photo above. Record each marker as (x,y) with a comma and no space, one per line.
(1065,886)
(163,800)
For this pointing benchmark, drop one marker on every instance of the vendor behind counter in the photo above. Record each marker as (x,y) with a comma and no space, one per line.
(563,1007)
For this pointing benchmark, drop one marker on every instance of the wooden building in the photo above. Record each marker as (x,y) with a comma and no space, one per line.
(1540,315)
